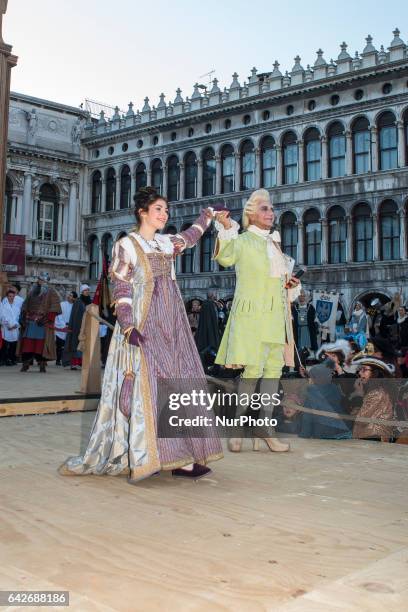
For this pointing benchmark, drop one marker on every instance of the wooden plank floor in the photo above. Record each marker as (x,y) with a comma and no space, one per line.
(321,528)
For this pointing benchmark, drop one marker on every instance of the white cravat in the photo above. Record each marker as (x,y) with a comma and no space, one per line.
(279,263)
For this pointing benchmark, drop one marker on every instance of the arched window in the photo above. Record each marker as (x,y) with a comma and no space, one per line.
(157,175)
(387,141)
(290,159)
(268,162)
(361,146)
(47,213)
(406,137)
(96,192)
(8,205)
(209,170)
(207,248)
(141,176)
(363,233)
(289,234)
(337,150)
(93,258)
(173,176)
(313,153)
(187,257)
(313,238)
(190,175)
(389,230)
(121,235)
(125,181)
(337,234)
(110,189)
(227,169)
(247,165)
(107,245)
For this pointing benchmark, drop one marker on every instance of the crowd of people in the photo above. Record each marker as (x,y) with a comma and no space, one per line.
(357,373)
(41,328)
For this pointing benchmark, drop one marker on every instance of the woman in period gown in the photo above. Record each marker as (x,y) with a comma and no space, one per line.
(152,340)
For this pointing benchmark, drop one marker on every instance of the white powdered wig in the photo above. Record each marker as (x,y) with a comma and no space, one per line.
(260,195)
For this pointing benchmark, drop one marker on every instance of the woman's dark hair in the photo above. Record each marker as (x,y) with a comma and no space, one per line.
(144,198)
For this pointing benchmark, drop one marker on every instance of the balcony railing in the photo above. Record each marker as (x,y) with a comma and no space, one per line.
(49,248)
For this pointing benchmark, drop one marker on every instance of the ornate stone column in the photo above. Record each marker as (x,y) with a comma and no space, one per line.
(257,168)
(218,174)
(403,232)
(132,187)
(376,238)
(182,180)
(301,243)
(237,175)
(401,144)
(117,190)
(279,165)
(72,212)
(324,164)
(374,149)
(349,153)
(349,243)
(19,212)
(199,178)
(301,161)
(165,179)
(62,220)
(149,172)
(325,241)
(103,195)
(7,62)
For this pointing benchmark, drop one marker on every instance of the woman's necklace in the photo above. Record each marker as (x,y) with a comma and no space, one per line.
(152,244)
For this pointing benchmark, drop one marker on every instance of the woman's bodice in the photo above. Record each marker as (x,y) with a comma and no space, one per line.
(160,264)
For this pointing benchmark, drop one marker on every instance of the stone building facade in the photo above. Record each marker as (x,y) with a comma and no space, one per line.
(329,141)
(44,187)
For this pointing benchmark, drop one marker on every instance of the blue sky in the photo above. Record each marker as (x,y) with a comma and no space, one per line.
(119,51)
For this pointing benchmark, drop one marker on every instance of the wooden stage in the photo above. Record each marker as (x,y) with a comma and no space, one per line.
(322,528)
(35,393)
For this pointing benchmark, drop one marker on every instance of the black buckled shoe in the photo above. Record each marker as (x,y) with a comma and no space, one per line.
(197,472)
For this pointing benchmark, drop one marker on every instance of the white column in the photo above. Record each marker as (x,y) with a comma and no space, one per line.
(401,144)
(72,212)
(218,174)
(349,153)
(325,241)
(149,172)
(324,166)
(257,168)
(279,165)
(199,178)
(27,205)
(301,161)
(376,238)
(374,149)
(182,180)
(403,237)
(34,216)
(237,178)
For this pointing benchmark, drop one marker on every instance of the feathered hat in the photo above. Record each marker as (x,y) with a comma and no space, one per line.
(378,363)
(340,346)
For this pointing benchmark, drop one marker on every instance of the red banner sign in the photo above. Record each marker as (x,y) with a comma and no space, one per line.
(14,253)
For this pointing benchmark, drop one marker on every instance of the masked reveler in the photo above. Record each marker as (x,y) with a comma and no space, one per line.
(152,340)
(37,317)
(258,335)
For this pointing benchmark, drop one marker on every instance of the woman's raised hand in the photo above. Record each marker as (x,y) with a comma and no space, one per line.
(224,219)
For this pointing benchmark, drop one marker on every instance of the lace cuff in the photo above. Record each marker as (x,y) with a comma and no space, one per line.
(227,234)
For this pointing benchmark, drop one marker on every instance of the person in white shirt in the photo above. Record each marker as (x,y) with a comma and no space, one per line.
(9,321)
(61,324)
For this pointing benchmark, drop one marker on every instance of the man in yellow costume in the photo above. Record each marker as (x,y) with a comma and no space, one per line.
(259,334)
